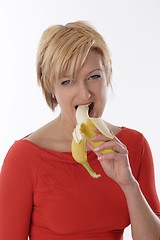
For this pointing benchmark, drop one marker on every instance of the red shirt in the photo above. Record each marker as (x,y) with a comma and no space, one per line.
(46,195)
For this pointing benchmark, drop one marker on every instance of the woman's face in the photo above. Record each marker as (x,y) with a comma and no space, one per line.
(89,88)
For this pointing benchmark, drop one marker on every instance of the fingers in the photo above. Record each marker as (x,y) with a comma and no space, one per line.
(99,136)
(93,149)
(114,144)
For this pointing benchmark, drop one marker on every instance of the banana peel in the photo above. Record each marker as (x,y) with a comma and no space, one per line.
(83,132)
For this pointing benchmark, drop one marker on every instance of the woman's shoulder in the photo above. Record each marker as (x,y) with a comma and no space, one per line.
(131,133)
(22,147)
(123,131)
(132,138)
(129,136)
(20,159)
(22,153)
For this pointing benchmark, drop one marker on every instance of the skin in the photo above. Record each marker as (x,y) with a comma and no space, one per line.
(90,86)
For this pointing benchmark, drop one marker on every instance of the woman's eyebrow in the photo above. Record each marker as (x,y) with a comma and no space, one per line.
(69,76)
(97,69)
(66,76)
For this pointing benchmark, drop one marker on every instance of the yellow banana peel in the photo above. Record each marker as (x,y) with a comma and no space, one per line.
(84,131)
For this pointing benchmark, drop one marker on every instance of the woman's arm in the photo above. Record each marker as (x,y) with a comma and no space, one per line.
(15,196)
(144,222)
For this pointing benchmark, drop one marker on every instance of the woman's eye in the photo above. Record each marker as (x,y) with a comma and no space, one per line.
(96,76)
(66,82)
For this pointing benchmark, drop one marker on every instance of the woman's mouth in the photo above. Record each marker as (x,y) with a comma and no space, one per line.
(90,107)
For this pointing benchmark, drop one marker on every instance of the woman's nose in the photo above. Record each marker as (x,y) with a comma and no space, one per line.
(84,92)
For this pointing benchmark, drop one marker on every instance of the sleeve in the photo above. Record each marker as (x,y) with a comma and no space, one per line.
(16,193)
(146,178)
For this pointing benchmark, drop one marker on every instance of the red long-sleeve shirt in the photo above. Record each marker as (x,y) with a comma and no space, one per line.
(46,195)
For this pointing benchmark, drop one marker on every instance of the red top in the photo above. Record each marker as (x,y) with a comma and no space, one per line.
(47,195)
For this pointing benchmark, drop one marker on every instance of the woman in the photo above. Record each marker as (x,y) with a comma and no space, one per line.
(44,193)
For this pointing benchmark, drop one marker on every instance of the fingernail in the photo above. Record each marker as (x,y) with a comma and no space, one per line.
(99,158)
(93,138)
(96,149)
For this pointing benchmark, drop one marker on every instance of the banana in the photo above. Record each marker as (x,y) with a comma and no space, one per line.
(84,131)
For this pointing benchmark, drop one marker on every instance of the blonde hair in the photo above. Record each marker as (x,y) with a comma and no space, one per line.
(63,48)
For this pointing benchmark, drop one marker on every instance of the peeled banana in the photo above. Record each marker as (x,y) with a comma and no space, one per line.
(84,131)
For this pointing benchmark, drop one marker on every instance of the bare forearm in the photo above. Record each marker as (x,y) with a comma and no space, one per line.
(144,223)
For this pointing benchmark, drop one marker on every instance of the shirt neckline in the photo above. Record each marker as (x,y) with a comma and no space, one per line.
(58,152)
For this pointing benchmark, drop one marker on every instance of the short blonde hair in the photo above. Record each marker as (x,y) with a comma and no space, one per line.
(64,48)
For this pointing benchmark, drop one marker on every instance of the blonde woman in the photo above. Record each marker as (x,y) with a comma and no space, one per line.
(44,193)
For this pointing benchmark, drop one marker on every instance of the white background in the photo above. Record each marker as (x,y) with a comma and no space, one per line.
(132,30)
